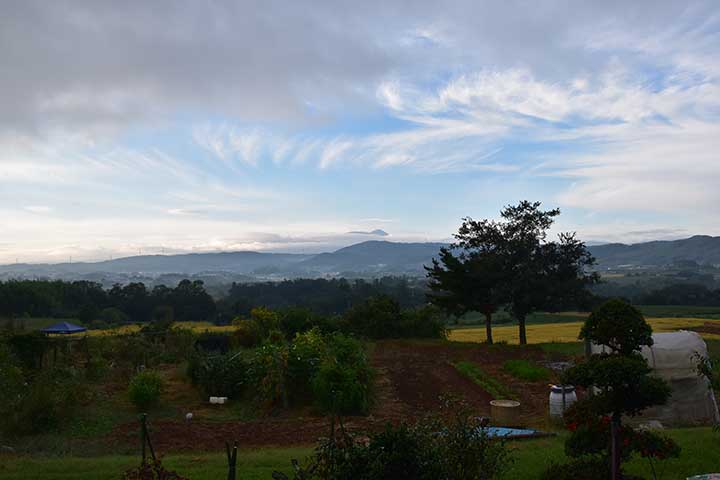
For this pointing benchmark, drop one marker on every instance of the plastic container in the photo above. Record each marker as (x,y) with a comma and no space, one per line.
(505,413)
(559,402)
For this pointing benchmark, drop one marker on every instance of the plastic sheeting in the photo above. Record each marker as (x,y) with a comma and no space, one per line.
(673,357)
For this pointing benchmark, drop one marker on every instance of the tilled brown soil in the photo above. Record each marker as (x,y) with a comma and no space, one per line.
(413,380)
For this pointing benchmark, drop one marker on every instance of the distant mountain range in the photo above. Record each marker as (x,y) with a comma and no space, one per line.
(702,249)
(371,258)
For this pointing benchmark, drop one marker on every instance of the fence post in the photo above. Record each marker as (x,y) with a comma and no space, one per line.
(232,461)
(142,437)
(145,436)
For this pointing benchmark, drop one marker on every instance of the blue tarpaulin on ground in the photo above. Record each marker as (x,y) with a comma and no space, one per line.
(64,328)
(506,432)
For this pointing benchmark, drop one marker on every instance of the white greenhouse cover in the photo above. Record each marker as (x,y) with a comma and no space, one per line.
(673,357)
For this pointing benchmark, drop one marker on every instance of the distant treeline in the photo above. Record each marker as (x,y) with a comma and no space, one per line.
(90,303)
(682,294)
(327,297)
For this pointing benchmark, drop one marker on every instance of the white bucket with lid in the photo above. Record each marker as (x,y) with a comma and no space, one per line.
(561,397)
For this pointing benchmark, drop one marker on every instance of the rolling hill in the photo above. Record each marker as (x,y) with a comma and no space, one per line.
(372,258)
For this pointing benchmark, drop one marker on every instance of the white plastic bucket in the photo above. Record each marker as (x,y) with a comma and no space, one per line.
(558,404)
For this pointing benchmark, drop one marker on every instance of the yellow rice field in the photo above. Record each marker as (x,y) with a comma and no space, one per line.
(197,327)
(565,332)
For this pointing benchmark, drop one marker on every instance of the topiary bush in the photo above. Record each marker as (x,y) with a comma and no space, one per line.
(145,389)
(624,386)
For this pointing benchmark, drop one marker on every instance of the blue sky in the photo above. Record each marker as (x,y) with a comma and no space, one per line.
(204,126)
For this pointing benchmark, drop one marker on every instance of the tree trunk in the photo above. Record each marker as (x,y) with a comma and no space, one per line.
(488,327)
(521,325)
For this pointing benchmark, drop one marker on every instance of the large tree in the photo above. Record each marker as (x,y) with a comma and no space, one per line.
(469,278)
(511,262)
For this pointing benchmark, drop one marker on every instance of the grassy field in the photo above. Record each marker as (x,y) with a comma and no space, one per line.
(502,318)
(488,383)
(564,332)
(680,311)
(531,457)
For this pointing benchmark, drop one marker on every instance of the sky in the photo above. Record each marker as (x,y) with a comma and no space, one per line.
(178,126)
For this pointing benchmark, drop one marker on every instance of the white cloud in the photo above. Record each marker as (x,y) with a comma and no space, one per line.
(38,209)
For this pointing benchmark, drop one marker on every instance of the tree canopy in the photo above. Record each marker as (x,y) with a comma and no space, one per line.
(510,262)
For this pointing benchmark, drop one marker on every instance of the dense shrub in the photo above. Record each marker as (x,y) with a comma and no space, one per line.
(12,385)
(217,342)
(382,317)
(218,375)
(28,348)
(306,353)
(42,403)
(145,389)
(269,369)
(96,368)
(377,317)
(266,320)
(247,333)
(457,449)
(423,322)
(130,352)
(343,384)
(342,389)
(177,345)
(332,369)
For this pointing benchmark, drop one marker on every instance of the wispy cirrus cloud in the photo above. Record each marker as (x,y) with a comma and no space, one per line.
(196,128)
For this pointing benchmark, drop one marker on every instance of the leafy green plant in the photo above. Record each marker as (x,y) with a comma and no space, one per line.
(218,375)
(342,389)
(526,370)
(41,403)
(145,389)
(269,370)
(247,333)
(488,383)
(455,449)
(306,353)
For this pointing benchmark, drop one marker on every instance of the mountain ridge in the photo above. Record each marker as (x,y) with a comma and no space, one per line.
(375,257)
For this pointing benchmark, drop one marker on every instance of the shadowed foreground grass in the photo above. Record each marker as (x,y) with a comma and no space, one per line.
(252,465)
(700,454)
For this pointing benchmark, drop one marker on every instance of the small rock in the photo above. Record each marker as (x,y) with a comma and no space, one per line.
(6,449)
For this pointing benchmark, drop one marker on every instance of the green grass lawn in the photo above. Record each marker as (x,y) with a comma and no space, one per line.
(526,370)
(700,454)
(252,465)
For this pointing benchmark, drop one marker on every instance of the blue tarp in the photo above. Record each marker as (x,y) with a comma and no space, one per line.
(64,328)
(505,432)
